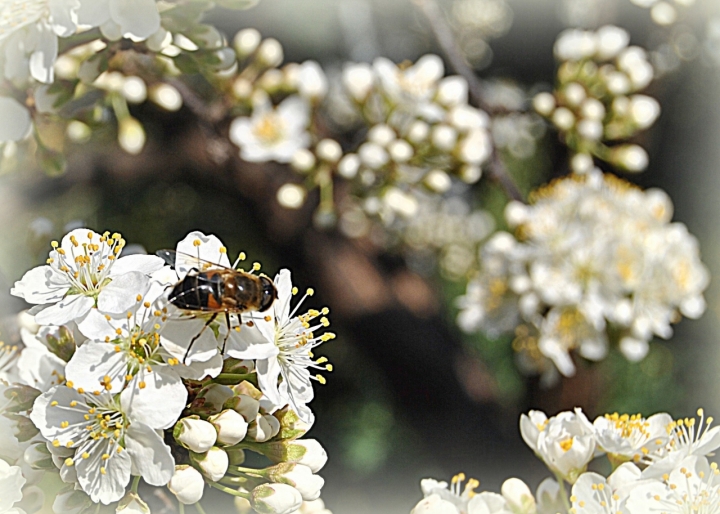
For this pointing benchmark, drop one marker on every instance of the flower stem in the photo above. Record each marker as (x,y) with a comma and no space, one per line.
(229,490)
(199,508)
(135,484)
(563,492)
(181,508)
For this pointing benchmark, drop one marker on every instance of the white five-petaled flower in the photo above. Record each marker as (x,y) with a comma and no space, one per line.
(111,436)
(132,356)
(625,436)
(285,376)
(84,278)
(28,36)
(692,487)
(565,442)
(185,335)
(273,133)
(455,499)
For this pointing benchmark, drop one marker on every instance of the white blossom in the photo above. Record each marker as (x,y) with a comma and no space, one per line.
(272,133)
(86,275)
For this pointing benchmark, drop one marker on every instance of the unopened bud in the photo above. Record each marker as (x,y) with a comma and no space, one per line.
(37,456)
(264,428)
(329,150)
(195,434)
(187,484)
(231,427)
(131,135)
(358,80)
(307,452)
(275,499)
(518,496)
(246,42)
(298,476)
(270,53)
(629,157)
(245,405)
(303,160)
(213,463)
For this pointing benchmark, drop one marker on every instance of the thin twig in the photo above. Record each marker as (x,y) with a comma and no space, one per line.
(446,39)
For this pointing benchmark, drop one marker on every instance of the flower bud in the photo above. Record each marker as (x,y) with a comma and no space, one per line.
(246,42)
(381,134)
(242,506)
(433,504)
(264,428)
(245,405)
(444,137)
(418,132)
(312,82)
(349,165)
(373,155)
(544,103)
(166,96)
(329,150)
(400,151)
(358,80)
(134,89)
(132,504)
(291,196)
(270,53)
(629,157)
(195,434)
(275,499)
(314,507)
(518,496)
(303,160)
(231,427)
(187,484)
(298,476)
(452,91)
(37,456)
(213,463)
(307,452)
(131,135)
(214,396)
(236,456)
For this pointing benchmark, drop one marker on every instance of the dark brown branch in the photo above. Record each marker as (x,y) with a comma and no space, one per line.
(446,39)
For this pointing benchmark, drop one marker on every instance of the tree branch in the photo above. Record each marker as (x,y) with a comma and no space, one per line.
(446,39)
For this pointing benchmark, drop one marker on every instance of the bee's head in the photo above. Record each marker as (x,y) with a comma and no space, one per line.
(269,293)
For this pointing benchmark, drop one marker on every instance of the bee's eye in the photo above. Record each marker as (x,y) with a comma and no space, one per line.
(269,293)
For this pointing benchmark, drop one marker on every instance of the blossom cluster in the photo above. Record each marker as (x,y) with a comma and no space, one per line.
(659,465)
(161,369)
(596,98)
(592,256)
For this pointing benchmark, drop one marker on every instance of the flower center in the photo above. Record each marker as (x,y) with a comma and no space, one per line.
(15,14)
(87,268)
(269,129)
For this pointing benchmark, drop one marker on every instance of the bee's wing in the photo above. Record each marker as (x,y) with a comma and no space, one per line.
(177,259)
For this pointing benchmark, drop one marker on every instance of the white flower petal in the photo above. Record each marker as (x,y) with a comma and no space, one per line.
(93,12)
(177,336)
(250,343)
(43,58)
(146,264)
(120,295)
(41,285)
(268,372)
(201,370)
(105,487)
(15,120)
(150,455)
(70,308)
(39,368)
(92,362)
(160,402)
(208,249)
(137,18)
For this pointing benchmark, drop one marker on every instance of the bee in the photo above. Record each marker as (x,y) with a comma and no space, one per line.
(214,289)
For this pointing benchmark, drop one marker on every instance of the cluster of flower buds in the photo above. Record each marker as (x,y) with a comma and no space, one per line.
(593,256)
(595,101)
(125,373)
(225,421)
(422,134)
(659,464)
(141,47)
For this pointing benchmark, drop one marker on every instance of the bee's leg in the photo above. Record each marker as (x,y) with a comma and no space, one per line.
(192,341)
(227,321)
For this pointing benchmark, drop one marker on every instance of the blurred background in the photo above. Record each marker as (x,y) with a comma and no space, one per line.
(411,396)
